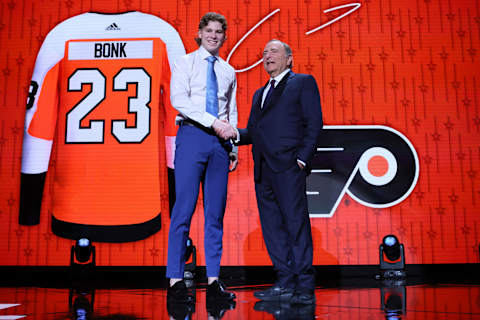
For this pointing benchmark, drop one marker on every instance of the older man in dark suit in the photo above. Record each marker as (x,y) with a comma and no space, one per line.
(285,121)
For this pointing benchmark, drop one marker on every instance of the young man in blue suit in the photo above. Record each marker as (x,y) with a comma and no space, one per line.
(284,124)
(203,91)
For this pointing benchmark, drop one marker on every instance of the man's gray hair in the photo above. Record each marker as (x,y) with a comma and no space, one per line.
(288,50)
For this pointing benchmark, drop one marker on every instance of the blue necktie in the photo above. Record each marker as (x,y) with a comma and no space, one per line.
(212,88)
(269,93)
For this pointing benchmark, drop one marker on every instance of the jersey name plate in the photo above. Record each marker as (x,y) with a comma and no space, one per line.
(101,50)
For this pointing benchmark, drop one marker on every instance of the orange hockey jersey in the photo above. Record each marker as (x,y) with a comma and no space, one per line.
(100,96)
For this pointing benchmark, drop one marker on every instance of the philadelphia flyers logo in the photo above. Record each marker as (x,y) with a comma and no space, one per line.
(375,165)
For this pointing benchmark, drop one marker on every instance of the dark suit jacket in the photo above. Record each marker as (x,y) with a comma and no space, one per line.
(287,127)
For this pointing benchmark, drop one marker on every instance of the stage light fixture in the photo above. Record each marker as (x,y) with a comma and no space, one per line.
(393,301)
(82,253)
(190,263)
(392,258)
(189,248)
(391,247)
(80,303)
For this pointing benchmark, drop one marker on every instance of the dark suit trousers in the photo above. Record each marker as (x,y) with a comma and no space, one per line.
(282,203)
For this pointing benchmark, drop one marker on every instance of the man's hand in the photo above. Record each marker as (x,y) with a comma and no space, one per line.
(223,129)
(300,165)
(233,161)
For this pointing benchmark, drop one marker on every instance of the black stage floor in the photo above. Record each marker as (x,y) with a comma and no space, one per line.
(450,291)
(357,300)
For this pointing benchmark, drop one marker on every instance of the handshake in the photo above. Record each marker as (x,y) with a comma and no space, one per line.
(224,130)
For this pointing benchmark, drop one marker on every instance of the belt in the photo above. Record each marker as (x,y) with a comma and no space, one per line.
(188,122)
(191,123)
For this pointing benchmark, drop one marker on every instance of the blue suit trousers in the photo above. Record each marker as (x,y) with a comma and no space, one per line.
(200,158)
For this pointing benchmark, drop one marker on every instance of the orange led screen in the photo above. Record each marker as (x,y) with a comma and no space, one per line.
(398,80)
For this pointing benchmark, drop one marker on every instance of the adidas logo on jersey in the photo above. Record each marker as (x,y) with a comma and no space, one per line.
(113,26)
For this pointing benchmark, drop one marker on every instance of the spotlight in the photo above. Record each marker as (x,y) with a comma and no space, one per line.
(189,248)
(391,247)
(392,258)
(80,303)
(190,263)
(393,301)
(82,253)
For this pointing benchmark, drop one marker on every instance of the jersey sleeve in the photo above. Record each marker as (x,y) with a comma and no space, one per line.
(170,113)
(40,121)
(175,48)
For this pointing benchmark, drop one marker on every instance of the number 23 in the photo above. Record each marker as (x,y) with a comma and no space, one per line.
(95,131)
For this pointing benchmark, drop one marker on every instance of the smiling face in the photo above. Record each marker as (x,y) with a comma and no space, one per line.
(275,58)
(212,36)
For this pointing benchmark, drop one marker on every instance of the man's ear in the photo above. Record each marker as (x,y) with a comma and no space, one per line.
(224,39)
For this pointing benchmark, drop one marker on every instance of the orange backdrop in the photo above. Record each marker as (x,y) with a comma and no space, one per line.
(411,65)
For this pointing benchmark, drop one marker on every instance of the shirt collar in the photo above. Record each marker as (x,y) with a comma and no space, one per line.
(280,76)
(204,53)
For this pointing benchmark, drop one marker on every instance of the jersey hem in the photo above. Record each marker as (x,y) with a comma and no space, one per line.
(101,233)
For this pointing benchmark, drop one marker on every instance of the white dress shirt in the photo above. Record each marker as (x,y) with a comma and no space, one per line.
(188,89)
(277,79)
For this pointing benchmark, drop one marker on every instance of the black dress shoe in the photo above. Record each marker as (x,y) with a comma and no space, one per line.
(275,293)
(216,290)
(216,309)
(180,310)
(285,310)
(303,311)
(303,297)
(275,308)
(179,293)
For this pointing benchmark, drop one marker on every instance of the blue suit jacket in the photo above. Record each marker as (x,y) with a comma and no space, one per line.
(287,127)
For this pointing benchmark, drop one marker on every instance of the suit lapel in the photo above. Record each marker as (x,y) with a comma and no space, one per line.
(258,100)
(277,93)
